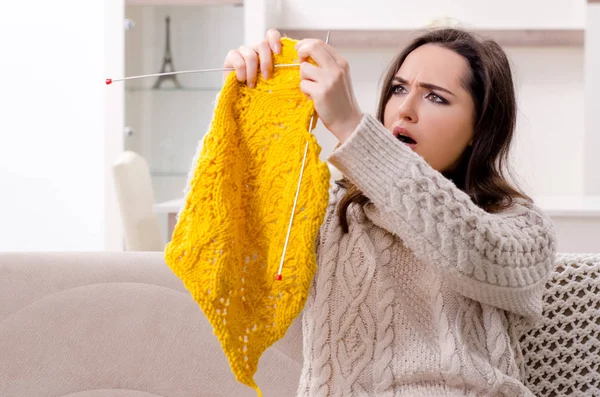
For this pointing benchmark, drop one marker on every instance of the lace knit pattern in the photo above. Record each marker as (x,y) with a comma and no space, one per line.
(562,353)
(426,293)
(229,238)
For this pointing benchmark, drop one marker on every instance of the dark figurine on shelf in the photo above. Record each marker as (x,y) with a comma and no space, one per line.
(167,65)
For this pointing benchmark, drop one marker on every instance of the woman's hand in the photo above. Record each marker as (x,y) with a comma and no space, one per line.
(328,85)
(246,60)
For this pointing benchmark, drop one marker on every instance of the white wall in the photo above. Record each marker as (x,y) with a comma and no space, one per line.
(592,105)
(114,118)
(549,146)
(53,150)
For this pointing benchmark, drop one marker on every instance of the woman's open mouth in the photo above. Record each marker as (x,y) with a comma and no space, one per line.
(404,136)
(406,139)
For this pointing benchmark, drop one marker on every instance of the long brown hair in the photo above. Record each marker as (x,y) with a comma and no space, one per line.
(483,166)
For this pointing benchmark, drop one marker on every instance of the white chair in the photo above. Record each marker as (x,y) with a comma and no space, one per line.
(133,188)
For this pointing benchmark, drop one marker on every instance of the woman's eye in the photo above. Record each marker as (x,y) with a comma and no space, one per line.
(398,89)
(436,98)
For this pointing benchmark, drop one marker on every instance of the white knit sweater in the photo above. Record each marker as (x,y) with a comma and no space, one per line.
(425,294)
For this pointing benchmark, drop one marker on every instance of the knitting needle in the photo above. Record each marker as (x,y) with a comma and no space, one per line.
(287,238)
(110,81)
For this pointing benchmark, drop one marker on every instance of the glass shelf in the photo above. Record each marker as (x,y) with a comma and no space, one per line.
(169,174)
(173,89)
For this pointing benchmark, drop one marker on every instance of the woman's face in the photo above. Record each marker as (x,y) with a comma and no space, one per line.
(430,105)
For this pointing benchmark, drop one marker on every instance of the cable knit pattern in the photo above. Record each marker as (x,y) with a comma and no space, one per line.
(427,293)
(316,330)
(500,259)
(449,359)
(383,376)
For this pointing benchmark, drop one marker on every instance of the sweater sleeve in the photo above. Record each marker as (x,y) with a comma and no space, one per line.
(499,259)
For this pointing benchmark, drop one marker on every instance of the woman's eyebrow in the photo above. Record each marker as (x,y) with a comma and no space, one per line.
(429,86)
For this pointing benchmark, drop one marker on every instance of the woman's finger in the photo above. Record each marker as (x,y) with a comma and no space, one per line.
(235,60)
(309,88)
(251,59)
(315,49)
(274,38)
(339,59)
(266,59)
(308,71)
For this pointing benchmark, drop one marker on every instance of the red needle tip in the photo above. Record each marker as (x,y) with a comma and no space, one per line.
(278,277)
(108,81)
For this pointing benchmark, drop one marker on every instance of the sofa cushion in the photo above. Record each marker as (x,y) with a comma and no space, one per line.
(116,324)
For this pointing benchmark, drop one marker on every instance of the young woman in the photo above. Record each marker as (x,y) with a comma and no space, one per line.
(429,260)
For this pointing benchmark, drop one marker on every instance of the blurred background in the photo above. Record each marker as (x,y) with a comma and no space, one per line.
(63,130)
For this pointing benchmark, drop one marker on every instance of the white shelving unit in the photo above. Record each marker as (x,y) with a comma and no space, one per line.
(394,38)
(167,123)
(181,2)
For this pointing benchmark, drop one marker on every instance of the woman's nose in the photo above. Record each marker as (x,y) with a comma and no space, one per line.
(407,109)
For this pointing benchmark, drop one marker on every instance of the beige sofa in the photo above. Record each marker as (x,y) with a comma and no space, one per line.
(122,325)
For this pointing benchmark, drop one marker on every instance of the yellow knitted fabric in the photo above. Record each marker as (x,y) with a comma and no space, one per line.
(229,237)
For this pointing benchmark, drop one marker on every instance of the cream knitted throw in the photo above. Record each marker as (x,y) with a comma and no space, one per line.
(562,353)
(426,293)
